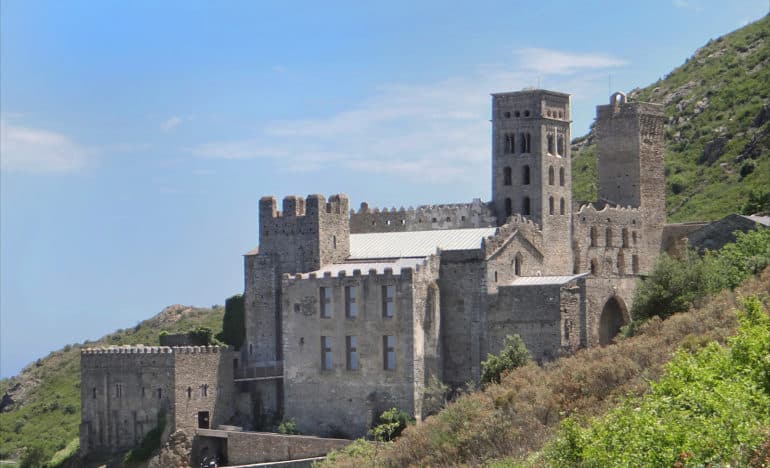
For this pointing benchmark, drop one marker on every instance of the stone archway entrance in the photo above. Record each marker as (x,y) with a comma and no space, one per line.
(613,317)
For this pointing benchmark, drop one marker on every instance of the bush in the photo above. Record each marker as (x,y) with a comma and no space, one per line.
(201,336)
(391,423)
(288,427)
(514,354)
(34,457)
(710,408)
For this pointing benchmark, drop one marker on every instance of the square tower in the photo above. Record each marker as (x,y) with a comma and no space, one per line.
(532,169)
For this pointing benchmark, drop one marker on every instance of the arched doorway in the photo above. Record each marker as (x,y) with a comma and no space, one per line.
(613,317)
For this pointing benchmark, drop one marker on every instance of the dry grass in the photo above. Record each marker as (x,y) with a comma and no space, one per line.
(516,417)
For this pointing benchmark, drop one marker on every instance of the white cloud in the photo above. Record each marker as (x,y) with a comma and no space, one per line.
(25,149)
(170,123)
(435,132)
(561,63)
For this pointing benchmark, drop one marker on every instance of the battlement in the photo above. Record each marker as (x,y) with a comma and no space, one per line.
(295,206)
(141,349)
(422,218)
(402,269)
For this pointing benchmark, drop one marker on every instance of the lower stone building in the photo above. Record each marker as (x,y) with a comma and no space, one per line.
(128,391)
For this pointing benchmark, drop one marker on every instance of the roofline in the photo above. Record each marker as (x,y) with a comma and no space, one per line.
(531,91)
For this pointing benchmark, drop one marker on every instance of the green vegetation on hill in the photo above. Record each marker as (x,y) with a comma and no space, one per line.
(711,407)
(41,406)
(717,107)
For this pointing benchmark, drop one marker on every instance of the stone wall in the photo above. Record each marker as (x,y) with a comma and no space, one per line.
(423,218)
(342,401)
(260,447)
(122,392)
(203,382)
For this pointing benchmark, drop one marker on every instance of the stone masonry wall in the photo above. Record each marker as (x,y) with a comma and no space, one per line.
(122,392)
(260,447)
(423,218)
(339,401)
(203,382)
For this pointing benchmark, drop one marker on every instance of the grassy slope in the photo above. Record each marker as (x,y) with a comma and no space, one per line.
(716,93)
(47,392)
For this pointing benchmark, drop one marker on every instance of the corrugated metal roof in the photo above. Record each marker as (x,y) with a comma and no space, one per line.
(415,244)
(348,267)
(544,280)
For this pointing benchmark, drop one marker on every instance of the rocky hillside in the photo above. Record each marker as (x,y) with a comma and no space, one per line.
(717,106)
(40,407)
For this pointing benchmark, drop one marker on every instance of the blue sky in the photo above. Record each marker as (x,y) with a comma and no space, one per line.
(137,137)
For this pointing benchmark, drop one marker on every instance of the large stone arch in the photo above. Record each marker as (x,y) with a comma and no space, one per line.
(614,315)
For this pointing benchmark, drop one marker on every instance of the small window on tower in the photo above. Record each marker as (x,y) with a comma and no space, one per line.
(507,115)
(561,176)
(507,176)
(525,175)
(550,175)
(525,208)
(508,207)
(562,208)
(550,206)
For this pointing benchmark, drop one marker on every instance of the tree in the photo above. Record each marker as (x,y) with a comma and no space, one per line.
(514,354)
(233,327)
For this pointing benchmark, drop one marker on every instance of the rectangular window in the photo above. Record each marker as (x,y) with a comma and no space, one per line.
(351,308)
(326,302)
(326,353)
(352,352)
(118,390)
(94,392)
(387,301)
(388,352)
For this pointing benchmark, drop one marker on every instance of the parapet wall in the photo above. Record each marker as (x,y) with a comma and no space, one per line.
(423,218)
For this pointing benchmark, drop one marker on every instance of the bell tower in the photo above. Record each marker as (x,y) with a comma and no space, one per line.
(531,166)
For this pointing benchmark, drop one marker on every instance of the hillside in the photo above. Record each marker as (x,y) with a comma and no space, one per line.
(717,106)
(41,406)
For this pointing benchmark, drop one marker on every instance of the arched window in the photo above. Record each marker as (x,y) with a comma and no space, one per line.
(624,237)
(549,138)
(522,143)
(593,236)
(525,206)
(634,237)
(635,264)
(517,264)
(562,208)
(510,143)
(525,175)
(550,175)
(621,263)
(594,267)
(560,145)
(550,206)
(529,138)
(608,237)
(507,176)
(561,176)
(508,207)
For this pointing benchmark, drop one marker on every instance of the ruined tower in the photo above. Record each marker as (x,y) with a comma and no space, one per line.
(531,167)
(630,165)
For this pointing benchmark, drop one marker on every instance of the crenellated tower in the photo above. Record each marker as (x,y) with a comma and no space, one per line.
(531,166)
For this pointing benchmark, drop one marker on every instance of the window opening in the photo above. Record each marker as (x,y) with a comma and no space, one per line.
(387,300)
(351,307)
(351,352)
(389,352)
(326,353)
(325,294)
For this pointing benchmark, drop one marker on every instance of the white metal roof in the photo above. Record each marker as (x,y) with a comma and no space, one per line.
(544,280)
(416,243)
(763,220)
(349,267)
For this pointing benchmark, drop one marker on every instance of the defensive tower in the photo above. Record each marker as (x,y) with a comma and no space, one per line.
(531,167)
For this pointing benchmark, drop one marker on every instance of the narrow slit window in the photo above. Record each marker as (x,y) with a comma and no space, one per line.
(550,206)
(561,176)
(525,207)
(562,208)
(508,207)
(388,352)
(550,175)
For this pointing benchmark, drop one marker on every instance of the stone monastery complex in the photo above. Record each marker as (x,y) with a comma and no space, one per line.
(351,312)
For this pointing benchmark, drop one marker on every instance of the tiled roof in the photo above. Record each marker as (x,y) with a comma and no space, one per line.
(416,243)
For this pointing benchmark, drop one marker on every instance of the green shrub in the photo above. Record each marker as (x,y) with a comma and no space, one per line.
(514,354)
(201,336)
(288,427)
(391,423)
(34,457)
(710,407)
